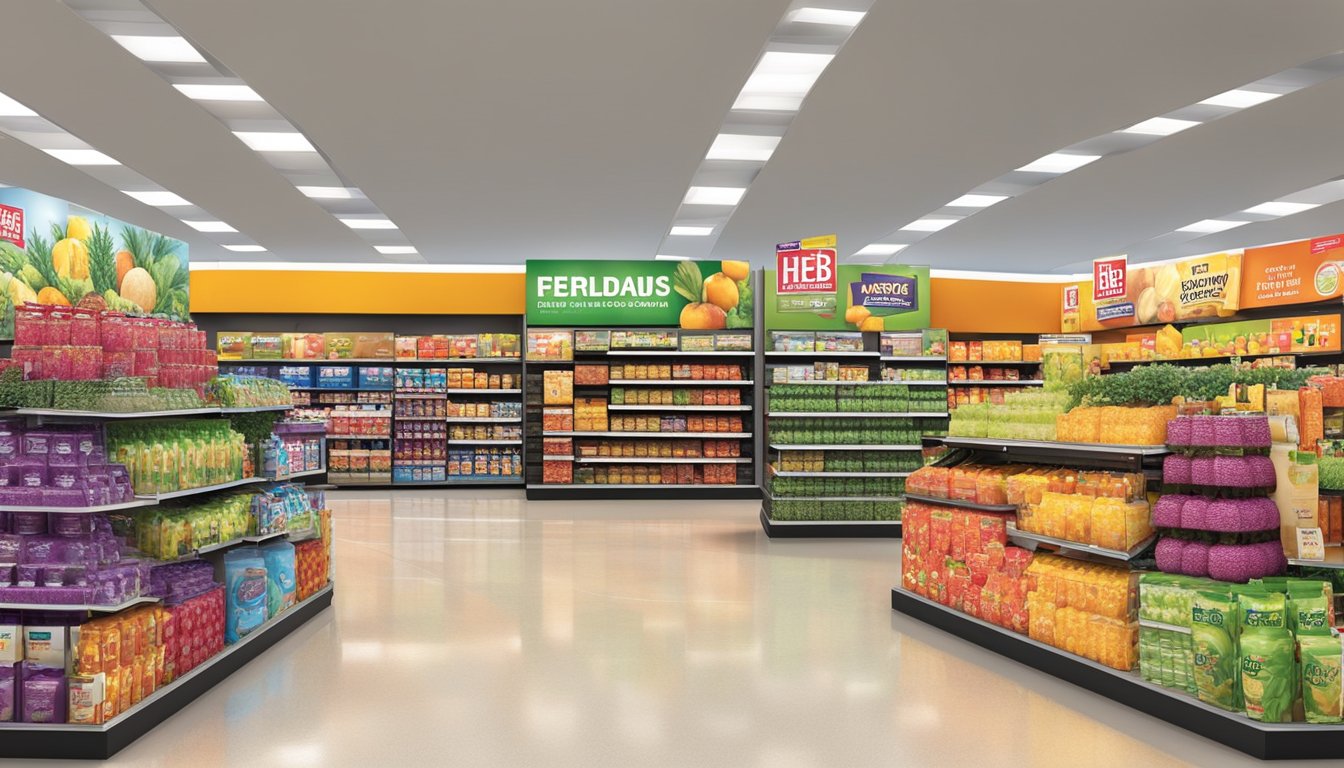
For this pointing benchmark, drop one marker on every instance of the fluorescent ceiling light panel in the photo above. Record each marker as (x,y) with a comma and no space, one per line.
(210,92)
(691,231)
(81,156)
(1209,226)
(976,201)
(165,48)
(1240,99)
(781,80)
(738,146)
(369,223)
(11,108)
(827,16)
(1281,208)
(160,198)
(275,141)
(880,249)
(328,193)
(1058,162)
(246,248)
(929,225)
(1161,126)
(714,195)
(209,226)
(395,250)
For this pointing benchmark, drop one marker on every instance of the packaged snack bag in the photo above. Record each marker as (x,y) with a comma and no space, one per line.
(1268,656)
(1309,607)
(1322,695)
(1213,625)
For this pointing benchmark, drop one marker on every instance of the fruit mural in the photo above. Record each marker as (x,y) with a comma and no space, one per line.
(694,295)
(1197,288)
(52,252)
(896,299)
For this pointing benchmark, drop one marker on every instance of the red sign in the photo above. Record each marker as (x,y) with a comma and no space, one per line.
(1323,244)
(1108,278)
(1070,298)
(806,271)
(11,225)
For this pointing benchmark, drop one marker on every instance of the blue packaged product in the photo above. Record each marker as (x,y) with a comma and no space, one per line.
(281,585)
(245,586)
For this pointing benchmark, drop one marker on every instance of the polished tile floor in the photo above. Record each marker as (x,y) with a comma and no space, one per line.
(477,629)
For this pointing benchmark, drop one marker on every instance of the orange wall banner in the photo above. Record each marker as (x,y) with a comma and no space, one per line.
(1190,289)
(1300,272)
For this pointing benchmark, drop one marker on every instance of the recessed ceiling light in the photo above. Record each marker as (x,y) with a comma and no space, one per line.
(781,80)
(1240,98)
(737,146)
(11,108)
(275,141)
(827,16)
(1209,226)
(691,231)
(1161,126)
(246,248)
(211,92)
(1278,208)
(880,249)
(81,156)
(714,195)
(166,48)
(209,226)
(929,225)
(328,193)
(669,257)
(369,223)
(1058,162)
(395,250)
(976,201)
(161,198)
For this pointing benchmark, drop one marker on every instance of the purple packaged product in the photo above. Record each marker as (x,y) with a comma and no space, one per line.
(32,472)
(76,575)
(1202,471)
(9,447)
(36,443)
(1227,431)
(11,547)
(1231,472)
(43,694)
(70,524)
(1202,431)
(29,523)
(26,575)
(63,477)
(1178,432)
(7,693)
(42,549)
(1167,511)
(1176,469)
(20,496)
(63,449)
(7,576)
(1193,513)
(53,576)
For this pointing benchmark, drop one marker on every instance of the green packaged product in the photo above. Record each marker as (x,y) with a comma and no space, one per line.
(1309,607)
(1322,694)
(1268,657)
(1213,629)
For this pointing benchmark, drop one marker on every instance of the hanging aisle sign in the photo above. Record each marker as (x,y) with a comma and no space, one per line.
(805,275)
(811,291)
(695,295)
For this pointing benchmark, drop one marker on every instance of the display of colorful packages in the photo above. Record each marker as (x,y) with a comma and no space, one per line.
(1085,608)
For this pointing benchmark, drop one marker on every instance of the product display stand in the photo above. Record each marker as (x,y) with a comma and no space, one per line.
(821,484)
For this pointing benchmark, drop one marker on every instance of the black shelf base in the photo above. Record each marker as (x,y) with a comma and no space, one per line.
(1266,741)
(823,529)
(91,742)
(599,491)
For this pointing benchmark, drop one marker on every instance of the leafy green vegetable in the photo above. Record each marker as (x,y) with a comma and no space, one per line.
(741,315)
(1158,384)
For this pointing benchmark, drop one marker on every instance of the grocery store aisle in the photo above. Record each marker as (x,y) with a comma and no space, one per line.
(482,630)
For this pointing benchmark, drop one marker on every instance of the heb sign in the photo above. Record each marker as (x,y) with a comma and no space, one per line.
(1108,278)
(1071,298)
(801,268)
(11,225)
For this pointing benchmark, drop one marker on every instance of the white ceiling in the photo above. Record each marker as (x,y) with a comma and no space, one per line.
(492,131)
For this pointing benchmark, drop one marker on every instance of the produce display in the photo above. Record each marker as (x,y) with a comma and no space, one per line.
(1114,425)
(58,466)
(848,461)
(848,509)
(87,344)
(886,398)
(1025,415)
(1084,608)
(891,433)
(783,487)
(177,454)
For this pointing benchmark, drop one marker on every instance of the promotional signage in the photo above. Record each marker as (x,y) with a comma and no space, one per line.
(867,298)
(1280,335)
(1108,278)
(1300,272)
(1189,289)
(806,274)
(53,252)
(695,295)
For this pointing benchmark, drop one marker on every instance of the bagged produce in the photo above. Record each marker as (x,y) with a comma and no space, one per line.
(1322,695)
(1268,657)
(1214,635)
(1310,607)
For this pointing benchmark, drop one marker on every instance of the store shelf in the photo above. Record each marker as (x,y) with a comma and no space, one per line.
(1030,363)
(1167,627)
(697,408)
(1074,547)
(1266,741)
(833,353)
(462,391)
(995,383)
(311,361)
(785,473)
(858,415)
(478,419)
(359,437)
(256,408)
(675,352)
(1334,565)
(830,529)
(88,608)
(592,491)
(211,411)
(81,510)
(419,418)
(420,396)
(462,361)
(672,435)
(518,441)
(202,490)
(657,460)
(958,503)
(682,382)
(339,390)
(828,383)
(770,495)
(784,447)
(255,539)
(911,359)
(297,475)
(920,383)
(99,742)
(1071,450)
(558,457)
